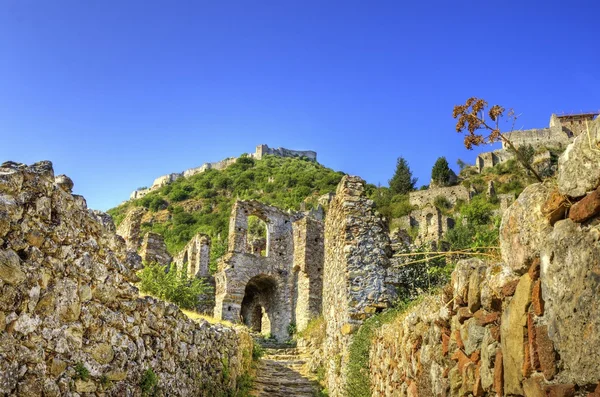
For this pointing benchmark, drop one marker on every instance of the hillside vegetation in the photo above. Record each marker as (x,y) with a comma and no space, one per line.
(203,202)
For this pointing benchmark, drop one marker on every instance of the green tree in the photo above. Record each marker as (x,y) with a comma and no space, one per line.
(440,174)
(402,182)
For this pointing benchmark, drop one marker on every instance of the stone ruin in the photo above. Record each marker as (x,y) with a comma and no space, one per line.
(562,130)
(195,256)
(261,151)
(270,293)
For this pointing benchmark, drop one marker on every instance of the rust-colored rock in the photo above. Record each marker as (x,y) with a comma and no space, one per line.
(537,301)
(534,269)
(560,390)
(459,341)
(526,369)
(499,374)
(484,318)
(555,208)
(586,208)
(509,288)
(495,332)
(461,359)
(463,314)
(477,388)
(533,355)
(445,343)
(545,351)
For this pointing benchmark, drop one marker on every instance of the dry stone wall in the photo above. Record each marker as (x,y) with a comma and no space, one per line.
(526,327)
(154,249)
(421,198)
(71,322)
(129,228)
(357,251)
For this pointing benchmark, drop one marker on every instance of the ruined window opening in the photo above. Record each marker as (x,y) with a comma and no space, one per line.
(257,237)
(228,308)
(260,297)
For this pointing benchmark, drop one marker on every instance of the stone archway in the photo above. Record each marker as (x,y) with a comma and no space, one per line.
(260,309)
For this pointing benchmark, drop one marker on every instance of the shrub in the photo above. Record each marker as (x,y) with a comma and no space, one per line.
(148,382)
(314,331)
(292,329)
(81,371)
(257,351)
(172,285)
(442,203)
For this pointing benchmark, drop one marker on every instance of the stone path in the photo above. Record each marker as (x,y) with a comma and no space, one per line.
(280,373)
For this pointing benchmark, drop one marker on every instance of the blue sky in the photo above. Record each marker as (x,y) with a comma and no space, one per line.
(116,93)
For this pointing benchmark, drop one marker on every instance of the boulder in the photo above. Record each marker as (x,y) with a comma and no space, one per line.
(523,228)
(570,275)
(578,166)
(512,331)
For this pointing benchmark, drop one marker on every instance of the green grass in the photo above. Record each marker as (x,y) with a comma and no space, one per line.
(359,382)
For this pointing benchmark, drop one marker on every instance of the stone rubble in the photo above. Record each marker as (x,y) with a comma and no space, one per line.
(71,322)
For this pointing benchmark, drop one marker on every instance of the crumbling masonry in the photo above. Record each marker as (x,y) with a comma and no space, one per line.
(269,293)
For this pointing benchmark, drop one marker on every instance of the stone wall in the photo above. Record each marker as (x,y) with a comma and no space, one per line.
(68,308)
(218,165)
(421,198)
(262,150)
(268,293)
(308,267)
(539,137)
(357,250)
(129,228)
(154,249)
(196,256)
(525,327)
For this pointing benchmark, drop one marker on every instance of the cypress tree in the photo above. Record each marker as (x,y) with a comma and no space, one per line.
(402,182)
(440,174)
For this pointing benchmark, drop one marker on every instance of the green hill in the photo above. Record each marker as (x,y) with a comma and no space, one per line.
(203,202)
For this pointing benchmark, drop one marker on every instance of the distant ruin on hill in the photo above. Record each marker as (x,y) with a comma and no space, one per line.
(261,151)
(562,130)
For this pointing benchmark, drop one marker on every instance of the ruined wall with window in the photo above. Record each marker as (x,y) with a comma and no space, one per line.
(260,286)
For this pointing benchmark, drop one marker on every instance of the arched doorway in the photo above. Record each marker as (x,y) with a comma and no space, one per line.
(259,309)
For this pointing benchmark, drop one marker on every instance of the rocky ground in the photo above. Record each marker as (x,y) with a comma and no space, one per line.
(281,372)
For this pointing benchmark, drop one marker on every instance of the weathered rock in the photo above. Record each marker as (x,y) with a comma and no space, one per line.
(532,388)
(555,207)
(66,302)
(512,329)
(10,267)
(154,250)
(523,228)
(570,281)
(578,170)
(64,182)
(587,208)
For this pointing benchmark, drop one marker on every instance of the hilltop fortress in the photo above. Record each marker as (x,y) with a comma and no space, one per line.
(261,150)
(562,130)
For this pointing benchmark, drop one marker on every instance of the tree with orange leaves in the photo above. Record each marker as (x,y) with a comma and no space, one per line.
(471,120)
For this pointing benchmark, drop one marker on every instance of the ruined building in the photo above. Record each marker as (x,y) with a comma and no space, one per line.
(269,293)
(562,130)
(261,151)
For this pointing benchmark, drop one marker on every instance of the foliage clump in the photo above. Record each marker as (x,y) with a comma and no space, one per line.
(148,382)
(172,284)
